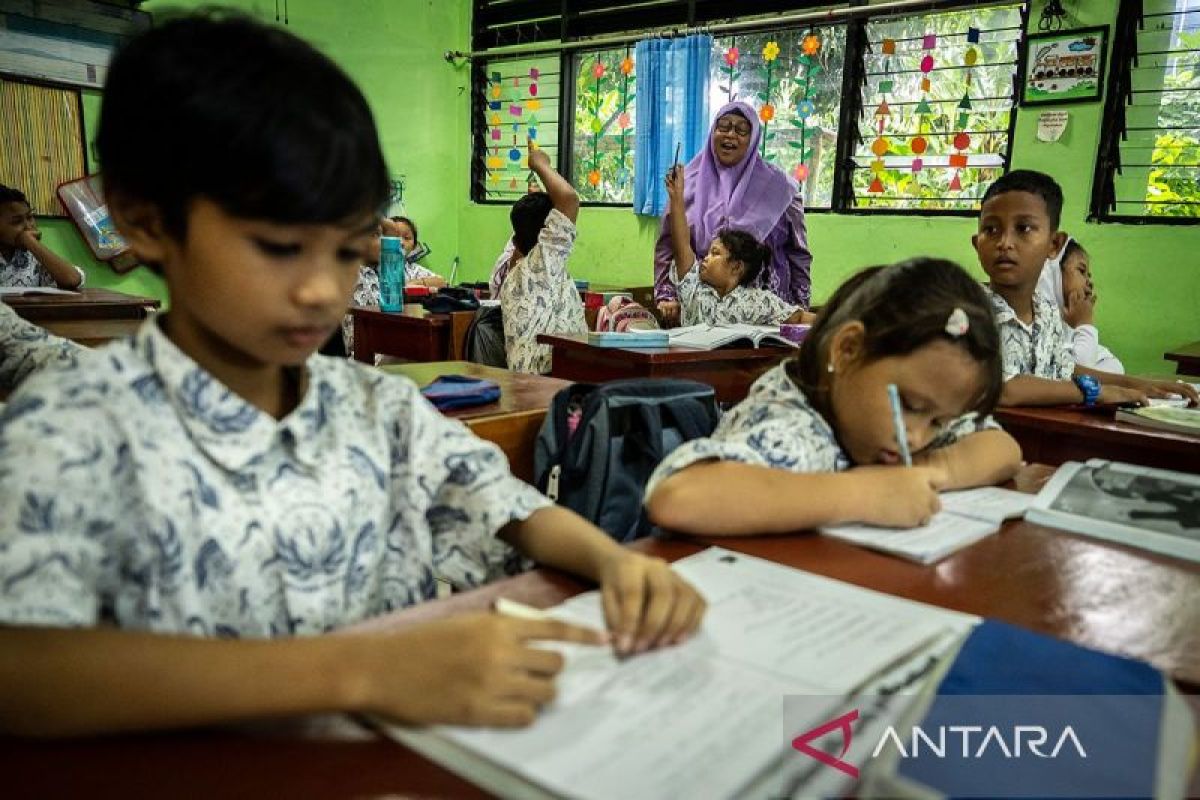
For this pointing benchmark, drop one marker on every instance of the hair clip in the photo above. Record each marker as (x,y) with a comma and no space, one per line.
(958,324)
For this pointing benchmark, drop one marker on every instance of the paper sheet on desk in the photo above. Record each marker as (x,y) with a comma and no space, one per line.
(705,718)
(966,517)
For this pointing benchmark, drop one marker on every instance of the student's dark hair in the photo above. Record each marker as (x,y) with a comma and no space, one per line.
(1034,182)
(745,248)
(903,307)
(528,217)
(219,106)
(412,226)
(10,195)
(1071,249)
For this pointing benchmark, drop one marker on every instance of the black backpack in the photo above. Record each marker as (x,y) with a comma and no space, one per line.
(625,429)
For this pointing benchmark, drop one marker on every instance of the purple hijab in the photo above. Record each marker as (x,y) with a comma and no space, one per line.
(750,196)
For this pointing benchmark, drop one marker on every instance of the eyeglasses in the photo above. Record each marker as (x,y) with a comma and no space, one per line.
(725,126)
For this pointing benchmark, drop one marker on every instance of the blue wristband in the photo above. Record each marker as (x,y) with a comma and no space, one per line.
(1090,388)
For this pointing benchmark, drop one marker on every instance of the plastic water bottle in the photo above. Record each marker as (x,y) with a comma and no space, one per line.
(391,274)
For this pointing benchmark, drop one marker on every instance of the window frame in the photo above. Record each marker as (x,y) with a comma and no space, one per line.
(842,200)
(85,156)
(1118,88)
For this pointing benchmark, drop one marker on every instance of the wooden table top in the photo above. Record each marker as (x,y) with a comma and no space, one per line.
(663,355)
(519,392)
(1184,350)
(1099,425)
(413,314)
(85,304)
(1113,598)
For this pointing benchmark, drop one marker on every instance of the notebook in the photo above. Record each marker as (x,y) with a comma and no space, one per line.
(966,517)
(710,337)
(1165,418)
(702,719)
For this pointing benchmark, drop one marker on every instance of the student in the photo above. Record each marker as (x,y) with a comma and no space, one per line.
(538,295)
(815,443)
(1018,232)
(414,274)
(26,348)
(1067,280)
(718,290)
(24,260)
(183,516)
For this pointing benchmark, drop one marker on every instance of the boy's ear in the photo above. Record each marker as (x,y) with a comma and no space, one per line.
(142,226)
(1058,240)
(975,242)
(846,347)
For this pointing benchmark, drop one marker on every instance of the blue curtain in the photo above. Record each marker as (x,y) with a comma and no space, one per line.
(672,108)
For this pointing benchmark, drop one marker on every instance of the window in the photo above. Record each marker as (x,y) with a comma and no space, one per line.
(602,147)
(519,102)
(1148,168)
(794,79)
(937,111)
(911,113)
(44,144)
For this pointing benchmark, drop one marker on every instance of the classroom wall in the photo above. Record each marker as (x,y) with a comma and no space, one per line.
(1148,277)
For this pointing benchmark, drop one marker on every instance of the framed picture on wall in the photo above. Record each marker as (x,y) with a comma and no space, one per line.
(1064,67)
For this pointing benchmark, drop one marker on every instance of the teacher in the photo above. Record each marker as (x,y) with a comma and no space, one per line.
(728,185)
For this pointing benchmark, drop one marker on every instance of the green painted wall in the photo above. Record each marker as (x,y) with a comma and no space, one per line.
(1148,277)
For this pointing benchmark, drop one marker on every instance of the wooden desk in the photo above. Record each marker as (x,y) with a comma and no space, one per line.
(1112,598)
(513,422)
(90,317)
(1049,435)
(412,335)
(729,371)
(1186,358)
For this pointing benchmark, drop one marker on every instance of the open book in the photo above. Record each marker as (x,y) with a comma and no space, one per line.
(710,337)
(1164,418)
(966,517)
(1156,509)
(705,718)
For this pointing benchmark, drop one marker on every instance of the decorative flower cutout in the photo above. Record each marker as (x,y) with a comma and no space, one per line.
(731,56)
(598,70)
(771,51)
(627,66)
(593,178)
(623,121)
(800,173)
(810,45)
(767,112)
(806,109)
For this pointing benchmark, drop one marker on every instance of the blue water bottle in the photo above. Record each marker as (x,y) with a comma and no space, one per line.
(391,274)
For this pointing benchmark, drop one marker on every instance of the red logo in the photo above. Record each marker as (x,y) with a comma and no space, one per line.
(841,723)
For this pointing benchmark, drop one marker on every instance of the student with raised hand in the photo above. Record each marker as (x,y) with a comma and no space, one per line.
(1018,232)
(185,514)
(718,290)
(24,260)
(814,442)
(538,295)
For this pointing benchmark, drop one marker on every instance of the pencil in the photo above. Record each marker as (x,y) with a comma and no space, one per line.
(898,424)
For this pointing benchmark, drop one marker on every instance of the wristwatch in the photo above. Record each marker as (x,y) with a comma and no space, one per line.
(1090,388)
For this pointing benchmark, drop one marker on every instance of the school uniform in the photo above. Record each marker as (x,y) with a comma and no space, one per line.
(776,426)
(538,296)
(1085,339)
(138,490)
(1041,348)
(366,293)
(26,348)
(24,269)
(701,304)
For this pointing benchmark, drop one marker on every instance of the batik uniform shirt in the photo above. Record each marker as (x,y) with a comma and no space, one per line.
(26,348)
(136,489)
(776,426)
(23,269)
(1041,348)
(538,296)
(700,304)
